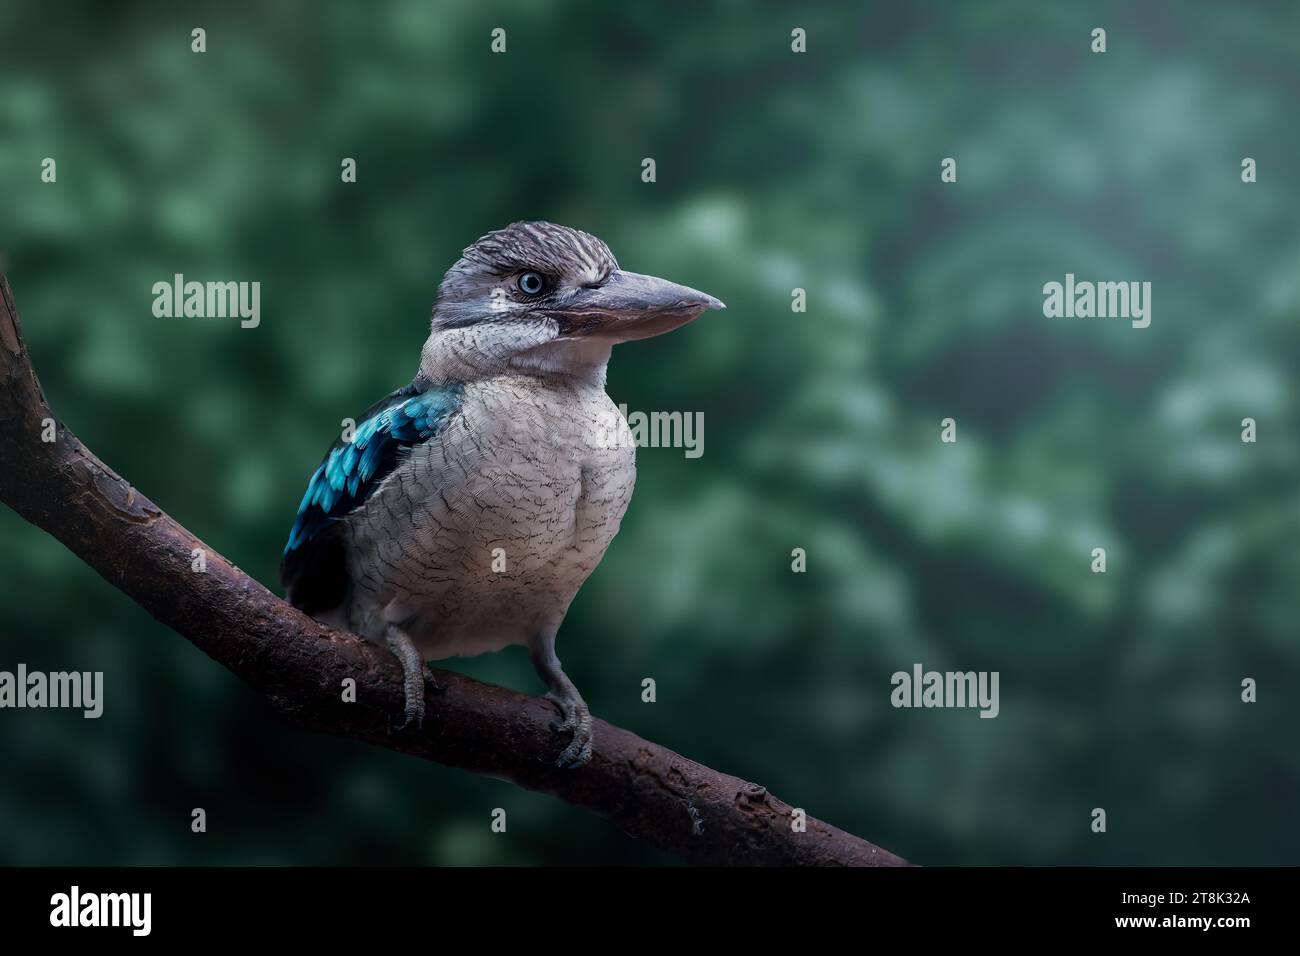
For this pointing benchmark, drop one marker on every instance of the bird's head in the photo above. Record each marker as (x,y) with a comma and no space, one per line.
(544,297)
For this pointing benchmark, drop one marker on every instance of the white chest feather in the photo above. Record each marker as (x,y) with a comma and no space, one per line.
(482,537)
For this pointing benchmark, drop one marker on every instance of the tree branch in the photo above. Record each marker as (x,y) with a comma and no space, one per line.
(299,664)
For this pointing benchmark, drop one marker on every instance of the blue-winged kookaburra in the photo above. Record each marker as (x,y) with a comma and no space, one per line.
(465,510)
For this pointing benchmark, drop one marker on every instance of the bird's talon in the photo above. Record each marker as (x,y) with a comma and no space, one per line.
(574,756)
(578,752)
(431,682)
(398,727)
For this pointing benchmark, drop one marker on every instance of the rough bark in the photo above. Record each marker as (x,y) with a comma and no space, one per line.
(300,665)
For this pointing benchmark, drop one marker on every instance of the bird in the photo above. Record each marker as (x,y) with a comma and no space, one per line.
(462,512)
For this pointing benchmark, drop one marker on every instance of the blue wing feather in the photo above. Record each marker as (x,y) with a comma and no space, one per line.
(348,475)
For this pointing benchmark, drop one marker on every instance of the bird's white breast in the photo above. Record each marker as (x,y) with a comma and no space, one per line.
(483,535)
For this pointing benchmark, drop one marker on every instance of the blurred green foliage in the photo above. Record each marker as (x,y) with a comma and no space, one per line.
(775,170)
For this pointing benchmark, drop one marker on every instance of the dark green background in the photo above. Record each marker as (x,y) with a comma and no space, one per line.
(775,170)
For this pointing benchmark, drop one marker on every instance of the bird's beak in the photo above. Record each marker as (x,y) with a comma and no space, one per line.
(629,306)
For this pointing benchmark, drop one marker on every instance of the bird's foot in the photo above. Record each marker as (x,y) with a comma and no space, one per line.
(412,715)
(413,677)
(575,719)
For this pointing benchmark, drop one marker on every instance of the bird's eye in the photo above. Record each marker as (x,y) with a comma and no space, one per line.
(531,283)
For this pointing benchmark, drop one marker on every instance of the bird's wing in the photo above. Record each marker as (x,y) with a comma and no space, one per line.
(312,569)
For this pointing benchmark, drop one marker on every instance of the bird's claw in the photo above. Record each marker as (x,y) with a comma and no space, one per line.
(575,720)
(431,682)
(410,716)
(412,710)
